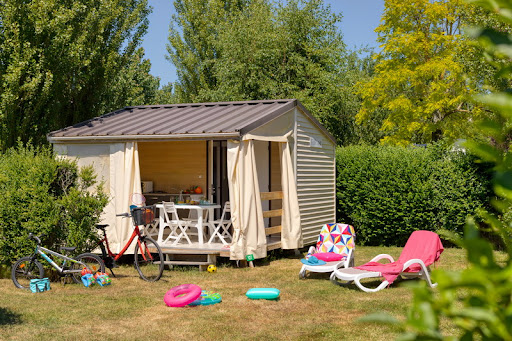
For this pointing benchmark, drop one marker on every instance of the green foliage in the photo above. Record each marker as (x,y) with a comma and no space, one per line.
(46,195)
(62,62)
(388,192)
(427,72)
(478,300)
(192,36)
(250,50)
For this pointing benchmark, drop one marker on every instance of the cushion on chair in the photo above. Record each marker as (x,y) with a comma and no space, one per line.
(336,238)
(330,256)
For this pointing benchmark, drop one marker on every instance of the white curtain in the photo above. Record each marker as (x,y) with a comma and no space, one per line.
(247,215)
(124,181)
(246,212)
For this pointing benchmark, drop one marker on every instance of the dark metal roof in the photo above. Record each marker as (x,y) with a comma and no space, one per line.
(235,118)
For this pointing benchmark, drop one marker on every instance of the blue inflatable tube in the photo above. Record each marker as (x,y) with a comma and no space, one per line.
(263,293)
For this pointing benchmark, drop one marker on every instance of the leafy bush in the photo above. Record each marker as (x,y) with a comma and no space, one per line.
(388,192)
(45,195)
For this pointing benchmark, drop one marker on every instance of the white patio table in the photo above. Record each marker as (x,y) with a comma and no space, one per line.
(200,210)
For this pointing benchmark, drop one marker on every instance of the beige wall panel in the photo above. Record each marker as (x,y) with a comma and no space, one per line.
(316,178)
(173,166)
(95,155)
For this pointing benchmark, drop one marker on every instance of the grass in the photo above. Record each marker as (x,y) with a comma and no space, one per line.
(131,309)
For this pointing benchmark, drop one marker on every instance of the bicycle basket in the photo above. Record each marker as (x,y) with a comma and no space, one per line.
(143,215)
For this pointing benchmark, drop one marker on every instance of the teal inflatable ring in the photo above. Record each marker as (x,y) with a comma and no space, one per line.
(207,298)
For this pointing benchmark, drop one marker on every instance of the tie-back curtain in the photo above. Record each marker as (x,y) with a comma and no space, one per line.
(124,181)
(246,212)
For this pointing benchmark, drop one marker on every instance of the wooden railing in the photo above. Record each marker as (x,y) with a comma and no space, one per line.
(272,213)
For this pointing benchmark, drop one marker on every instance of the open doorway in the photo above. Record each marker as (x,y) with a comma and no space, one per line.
(219,184)
(268,170)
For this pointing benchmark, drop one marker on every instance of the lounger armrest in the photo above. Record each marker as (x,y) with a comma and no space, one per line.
(415,261)
(312,250)
(382,256)
(348,259)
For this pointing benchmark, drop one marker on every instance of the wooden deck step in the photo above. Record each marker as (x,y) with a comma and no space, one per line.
(172,251)
(186,262)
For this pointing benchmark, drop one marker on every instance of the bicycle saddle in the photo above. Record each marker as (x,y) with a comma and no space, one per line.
(68,248)
(101,226)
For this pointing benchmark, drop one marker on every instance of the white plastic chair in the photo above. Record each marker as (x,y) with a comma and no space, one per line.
(221,226)
(336,239)
(177,226)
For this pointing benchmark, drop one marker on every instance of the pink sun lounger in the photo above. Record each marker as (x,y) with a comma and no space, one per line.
(421,250)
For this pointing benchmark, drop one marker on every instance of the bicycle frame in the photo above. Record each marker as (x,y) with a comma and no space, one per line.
(135,233)
(40,250)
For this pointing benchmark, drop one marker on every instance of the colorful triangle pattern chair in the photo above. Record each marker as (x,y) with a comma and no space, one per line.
(335,246)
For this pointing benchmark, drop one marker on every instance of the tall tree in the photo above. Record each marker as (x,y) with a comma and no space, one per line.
(291,49)
(194,29)
(63,61)
(420,80)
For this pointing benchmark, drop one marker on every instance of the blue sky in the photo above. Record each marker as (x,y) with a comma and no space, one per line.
(360,18)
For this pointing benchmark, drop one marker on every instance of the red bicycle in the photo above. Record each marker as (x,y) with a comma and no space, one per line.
(148,257)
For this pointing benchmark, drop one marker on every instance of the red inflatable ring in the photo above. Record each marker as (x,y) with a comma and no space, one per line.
(182,295)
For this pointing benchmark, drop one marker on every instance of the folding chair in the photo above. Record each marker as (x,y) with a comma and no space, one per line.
(221,226)
(178,228)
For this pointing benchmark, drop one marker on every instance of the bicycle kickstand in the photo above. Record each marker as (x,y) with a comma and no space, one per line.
(112,272)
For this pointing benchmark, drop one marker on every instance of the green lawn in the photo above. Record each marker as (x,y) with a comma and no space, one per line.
(131,309)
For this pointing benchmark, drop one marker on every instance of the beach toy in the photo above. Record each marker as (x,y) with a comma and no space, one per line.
(263,293)
(182,295)
(88,280)
(103,280)
(85,271)
(211,268)
(98,274)
(207,298)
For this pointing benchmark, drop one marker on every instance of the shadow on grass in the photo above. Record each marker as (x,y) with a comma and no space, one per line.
(374,283)
(318,275)
(7,317)
(370,284)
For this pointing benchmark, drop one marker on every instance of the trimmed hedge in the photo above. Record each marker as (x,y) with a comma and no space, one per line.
(45,195)
(388,192)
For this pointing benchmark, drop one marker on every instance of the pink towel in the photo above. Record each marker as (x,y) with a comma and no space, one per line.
(424,245)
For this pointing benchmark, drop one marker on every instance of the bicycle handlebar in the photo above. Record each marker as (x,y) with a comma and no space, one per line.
(123,215)
(36,238)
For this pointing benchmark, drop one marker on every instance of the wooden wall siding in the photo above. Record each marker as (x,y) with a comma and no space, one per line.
(273,213)
(173,166)
(316,178)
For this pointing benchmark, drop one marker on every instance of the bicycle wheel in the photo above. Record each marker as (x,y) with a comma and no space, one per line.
(24,270)
(93,263)
(149,260)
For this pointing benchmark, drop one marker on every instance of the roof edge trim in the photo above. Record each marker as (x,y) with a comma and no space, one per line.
(315,121)
(88,138)
(283,110)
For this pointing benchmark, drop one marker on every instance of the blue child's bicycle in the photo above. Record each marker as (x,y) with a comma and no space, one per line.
(28,268)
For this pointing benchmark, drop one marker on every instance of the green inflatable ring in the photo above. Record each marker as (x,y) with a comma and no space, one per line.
(207,298)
